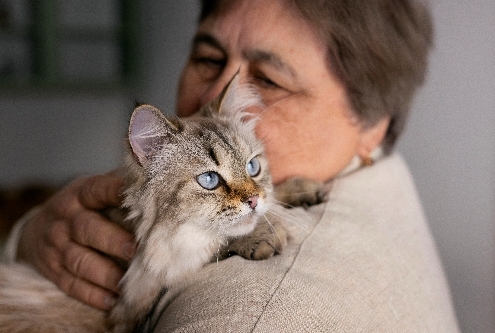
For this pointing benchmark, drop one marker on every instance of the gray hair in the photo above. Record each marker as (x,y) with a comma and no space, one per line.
(377,48)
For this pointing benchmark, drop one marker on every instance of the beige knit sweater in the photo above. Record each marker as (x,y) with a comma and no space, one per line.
(363,262)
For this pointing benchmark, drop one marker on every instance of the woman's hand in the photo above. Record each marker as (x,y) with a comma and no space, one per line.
(67,240)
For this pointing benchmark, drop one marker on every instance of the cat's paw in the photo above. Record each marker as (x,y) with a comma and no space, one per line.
(298,191)
(263,242)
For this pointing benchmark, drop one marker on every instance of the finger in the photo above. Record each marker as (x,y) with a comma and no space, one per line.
(89,265)
(85,291)
(78,288)
(91,229)
(101,191)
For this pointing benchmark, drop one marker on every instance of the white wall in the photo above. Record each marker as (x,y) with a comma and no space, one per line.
(450,147)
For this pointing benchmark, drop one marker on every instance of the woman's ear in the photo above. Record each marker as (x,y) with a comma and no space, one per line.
(371,137)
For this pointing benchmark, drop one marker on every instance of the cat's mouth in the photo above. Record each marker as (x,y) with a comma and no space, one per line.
(243,226)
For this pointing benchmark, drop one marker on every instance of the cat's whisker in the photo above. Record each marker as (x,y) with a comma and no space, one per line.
(207,230)
(288,216)
(281,241)
(218,253)
(282,203)
(301,192)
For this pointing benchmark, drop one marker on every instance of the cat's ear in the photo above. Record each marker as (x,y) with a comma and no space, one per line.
(228,93)
(149,129)
(235,97)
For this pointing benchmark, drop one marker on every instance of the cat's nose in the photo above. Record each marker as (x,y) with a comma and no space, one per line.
(252,201)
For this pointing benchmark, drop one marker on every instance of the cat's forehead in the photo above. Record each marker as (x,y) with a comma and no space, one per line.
(200,145)
(222,136)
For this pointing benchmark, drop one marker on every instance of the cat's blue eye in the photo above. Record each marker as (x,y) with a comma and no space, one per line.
(208,180)
(253,167)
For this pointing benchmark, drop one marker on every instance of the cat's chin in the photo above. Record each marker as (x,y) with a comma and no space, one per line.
(243,227)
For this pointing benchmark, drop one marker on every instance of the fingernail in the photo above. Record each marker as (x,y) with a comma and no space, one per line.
(129,250)
(110,301)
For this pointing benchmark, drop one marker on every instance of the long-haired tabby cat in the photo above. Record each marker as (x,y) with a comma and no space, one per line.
(197,189)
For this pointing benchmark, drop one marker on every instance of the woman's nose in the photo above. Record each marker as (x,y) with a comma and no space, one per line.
(219,83)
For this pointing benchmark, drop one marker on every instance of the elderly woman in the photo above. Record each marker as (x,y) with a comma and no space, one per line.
(337,77)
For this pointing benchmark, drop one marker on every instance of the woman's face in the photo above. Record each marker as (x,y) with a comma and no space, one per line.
(308,127)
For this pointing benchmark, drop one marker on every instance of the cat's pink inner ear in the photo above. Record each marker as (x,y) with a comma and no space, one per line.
(145,133)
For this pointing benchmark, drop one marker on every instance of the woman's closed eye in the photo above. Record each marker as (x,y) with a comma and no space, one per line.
(265,82)
(209,60)
(209,68)
(270,89)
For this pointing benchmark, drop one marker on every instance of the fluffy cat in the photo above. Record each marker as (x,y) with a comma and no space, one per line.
(197,189)
(223,176)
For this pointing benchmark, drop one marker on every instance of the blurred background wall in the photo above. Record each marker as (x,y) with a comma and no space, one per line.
(450,147)
(52,135)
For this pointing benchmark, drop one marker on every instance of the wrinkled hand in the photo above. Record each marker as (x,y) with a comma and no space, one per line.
(66,238)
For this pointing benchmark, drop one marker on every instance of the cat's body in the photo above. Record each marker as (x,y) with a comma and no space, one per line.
(31,303)
(224,178)
(195,187)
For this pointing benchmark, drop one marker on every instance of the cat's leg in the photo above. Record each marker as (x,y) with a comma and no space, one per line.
(270,235)
(297,191)
(139,292)
(31,303)
(268,238)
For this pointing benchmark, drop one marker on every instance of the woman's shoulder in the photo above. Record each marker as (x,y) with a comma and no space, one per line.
(363,261)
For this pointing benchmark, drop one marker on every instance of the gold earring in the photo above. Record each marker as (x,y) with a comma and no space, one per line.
(367,161)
